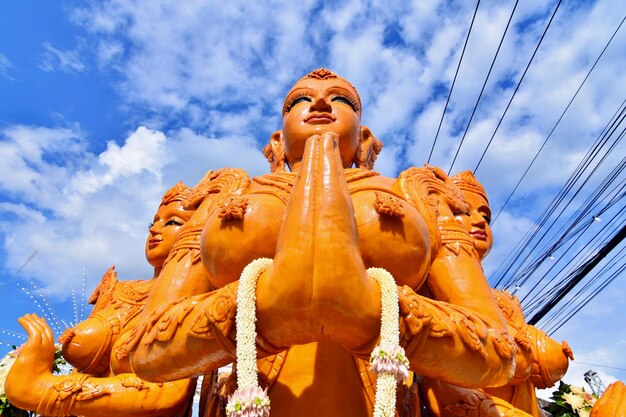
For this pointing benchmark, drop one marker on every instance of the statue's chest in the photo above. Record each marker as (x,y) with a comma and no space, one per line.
(391,235)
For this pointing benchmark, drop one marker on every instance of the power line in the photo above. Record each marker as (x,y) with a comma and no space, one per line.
(453,81)
(595,364)
(584,301)
(557,122)
(576,278)
(517,87)
(482,90)
(505,268)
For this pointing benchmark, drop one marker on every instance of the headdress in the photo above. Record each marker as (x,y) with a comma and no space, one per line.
(466,181)
(178,192)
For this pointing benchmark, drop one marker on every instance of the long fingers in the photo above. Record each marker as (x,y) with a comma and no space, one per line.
(29,323)
(47,338)
(37,329)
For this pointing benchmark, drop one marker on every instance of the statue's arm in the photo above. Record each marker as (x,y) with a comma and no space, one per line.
(187,337)
(79,394)
(457,334)
(539,357)
(453,343)
(182,296)
(30,385)
(464,324)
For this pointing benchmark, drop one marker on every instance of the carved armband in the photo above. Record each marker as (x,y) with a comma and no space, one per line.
(421,318)
(219,313)
(60,398)
(388,205)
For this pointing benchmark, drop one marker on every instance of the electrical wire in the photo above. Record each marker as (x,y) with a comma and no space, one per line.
(557,123)
(482,90)
(516,88)
(505,269)
(456,73)
(574,279)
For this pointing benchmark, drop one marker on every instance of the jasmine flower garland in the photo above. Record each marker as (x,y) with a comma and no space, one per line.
(388,359)
(249,400)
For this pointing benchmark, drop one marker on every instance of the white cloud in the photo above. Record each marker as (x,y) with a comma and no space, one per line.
(77,207)
(6,67)
(54,59)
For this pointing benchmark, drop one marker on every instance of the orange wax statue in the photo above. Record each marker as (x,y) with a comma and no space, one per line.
(612,403)
(540,360)
(103,383)
(324,222)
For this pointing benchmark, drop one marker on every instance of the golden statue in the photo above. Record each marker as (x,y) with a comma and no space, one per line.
(540,360)
(323,216)
(322,219)
(103,383)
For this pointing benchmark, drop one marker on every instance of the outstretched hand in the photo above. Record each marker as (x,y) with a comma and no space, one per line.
(37,354)
(32,370)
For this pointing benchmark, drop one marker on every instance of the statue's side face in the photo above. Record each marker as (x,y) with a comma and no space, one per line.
(166,225)
(315,106)
(477,223)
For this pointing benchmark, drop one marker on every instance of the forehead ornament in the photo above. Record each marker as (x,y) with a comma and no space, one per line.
(321,74)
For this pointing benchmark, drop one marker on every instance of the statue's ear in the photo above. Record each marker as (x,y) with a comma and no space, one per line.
(275,152)
(369,148)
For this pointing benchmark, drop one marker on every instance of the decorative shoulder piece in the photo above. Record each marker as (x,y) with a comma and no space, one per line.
(426,188)
(388,205)
(227,180)
(233,207)
(101,296)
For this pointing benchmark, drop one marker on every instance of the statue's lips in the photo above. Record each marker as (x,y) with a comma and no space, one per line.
(153,243)
(319,119)
(479,234)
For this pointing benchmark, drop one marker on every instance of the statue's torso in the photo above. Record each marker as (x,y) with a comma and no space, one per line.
(397,241)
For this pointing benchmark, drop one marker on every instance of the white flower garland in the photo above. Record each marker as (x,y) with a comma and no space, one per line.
(388,359)
(249,400)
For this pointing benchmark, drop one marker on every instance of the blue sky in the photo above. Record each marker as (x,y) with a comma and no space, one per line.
(107,104)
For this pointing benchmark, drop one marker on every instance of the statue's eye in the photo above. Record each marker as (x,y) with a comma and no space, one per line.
(150,225)
(346,100)
(487,218)
(173,222)
(295,100)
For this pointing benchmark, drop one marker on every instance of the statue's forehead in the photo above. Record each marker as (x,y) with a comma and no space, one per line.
(172,208)
(314,83)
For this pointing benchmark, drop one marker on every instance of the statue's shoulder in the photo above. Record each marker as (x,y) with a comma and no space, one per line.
(277,184)
(111,292)
(428,187)
(222,181)
(102,295)
(132,292)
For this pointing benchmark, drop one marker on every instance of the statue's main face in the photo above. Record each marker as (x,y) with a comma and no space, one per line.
(166,225)
(477,223)
(315,106)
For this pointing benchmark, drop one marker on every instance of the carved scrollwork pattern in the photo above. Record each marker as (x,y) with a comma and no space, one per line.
(60,399)
(422,317)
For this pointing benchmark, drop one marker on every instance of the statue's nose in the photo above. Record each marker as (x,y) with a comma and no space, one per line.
(321,104)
